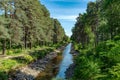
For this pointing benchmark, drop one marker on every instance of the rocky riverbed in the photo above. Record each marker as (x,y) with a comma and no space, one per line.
(31,71)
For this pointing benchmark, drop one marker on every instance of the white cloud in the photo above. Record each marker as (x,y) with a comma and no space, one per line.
(69,34)
(67,17)
(66,14)
(89,0)
(73,0)
(70,10)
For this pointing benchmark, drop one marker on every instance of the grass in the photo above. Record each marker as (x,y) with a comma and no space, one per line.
(18,57)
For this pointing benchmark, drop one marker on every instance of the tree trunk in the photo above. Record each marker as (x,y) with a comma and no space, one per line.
(4,47)
(4,41)
(10,44)
(6,12)
(25,38)
(25,42)
(30,44)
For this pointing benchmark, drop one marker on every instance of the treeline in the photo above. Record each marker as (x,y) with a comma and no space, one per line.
(26,24)
(97,38)
(101,22)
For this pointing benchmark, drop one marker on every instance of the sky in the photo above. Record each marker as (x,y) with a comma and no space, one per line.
(66,11)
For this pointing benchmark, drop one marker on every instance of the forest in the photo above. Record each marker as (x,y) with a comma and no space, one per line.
(28,35)
(96,36)
(26,25)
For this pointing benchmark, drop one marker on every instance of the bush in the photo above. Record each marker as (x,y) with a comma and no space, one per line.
(3,75)
(109,53)
(77,46)
(10,52)
(86,68)
(100,63)
(18,51)
(114,72)
(7,64)
(15,51)
(28,58)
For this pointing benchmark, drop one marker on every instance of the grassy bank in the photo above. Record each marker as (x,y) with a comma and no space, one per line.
(17,58)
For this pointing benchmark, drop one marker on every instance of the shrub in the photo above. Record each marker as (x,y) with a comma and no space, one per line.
(86,68)
(3,75)
(28,58)
(114,72)
(18,51)
(10,52)
(15,51)
(7,64)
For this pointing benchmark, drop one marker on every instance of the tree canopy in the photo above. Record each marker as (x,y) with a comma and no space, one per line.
(27,23)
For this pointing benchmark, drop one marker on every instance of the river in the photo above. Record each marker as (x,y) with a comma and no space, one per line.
(62,61)
(66,61)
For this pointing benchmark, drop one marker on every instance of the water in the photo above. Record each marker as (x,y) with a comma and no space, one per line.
(65,63)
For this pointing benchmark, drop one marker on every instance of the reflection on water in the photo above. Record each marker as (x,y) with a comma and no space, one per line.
(51,69)
(67,60)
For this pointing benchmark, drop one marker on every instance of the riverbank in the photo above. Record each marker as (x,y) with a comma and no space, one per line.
(31,71)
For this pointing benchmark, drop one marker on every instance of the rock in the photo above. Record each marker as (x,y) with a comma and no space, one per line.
(70,71)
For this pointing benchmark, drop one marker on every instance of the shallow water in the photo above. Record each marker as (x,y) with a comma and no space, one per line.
(65,63)
(57,66)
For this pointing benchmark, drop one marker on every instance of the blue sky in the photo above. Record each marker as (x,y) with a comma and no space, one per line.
(66,11)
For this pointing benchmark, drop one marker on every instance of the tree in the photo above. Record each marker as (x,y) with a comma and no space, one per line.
(4,6)
(29,24)
(3,34)
(58,32)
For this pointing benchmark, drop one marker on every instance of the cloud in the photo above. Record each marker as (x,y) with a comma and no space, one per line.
(69,11)
(72,0)
(65,17)
(66,13)
(69,33)
(89,0)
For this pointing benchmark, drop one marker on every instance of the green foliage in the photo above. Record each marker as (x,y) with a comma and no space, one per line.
(101,63)
(3,30)
(6,65)
(98,32)
(114,72)
(9,52)
(87,67)
(59,32)
(3,76)
(77,46)
(109,52)
(40,53)
(27,24)
(14,52)
(28,58)
(21,60)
